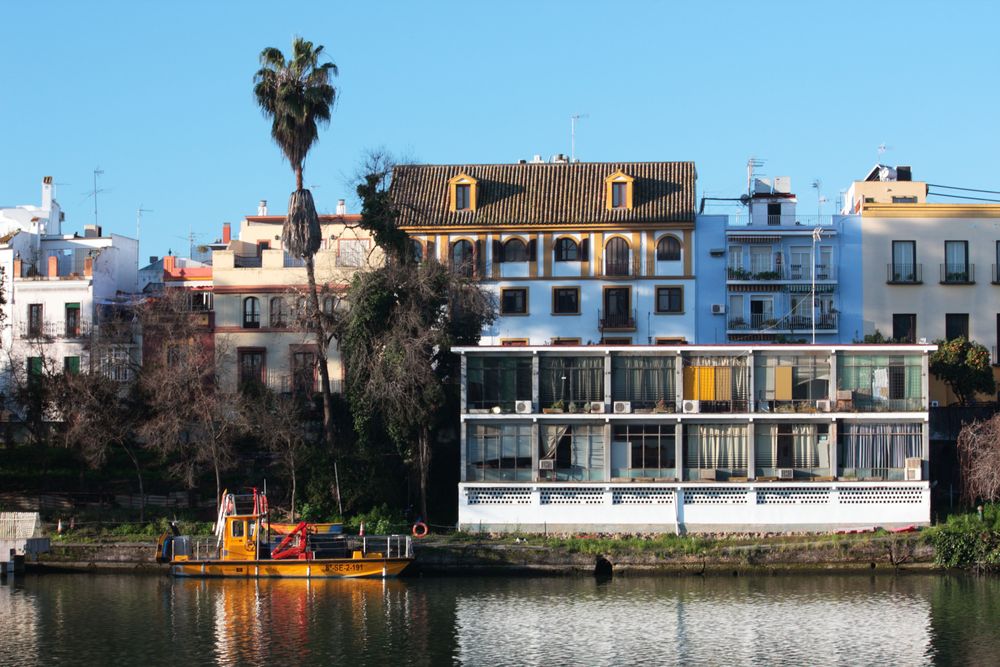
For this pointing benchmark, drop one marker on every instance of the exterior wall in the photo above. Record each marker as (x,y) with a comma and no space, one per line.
(542,275)
(930,225)
(813,433)
(680,508)
(244,271)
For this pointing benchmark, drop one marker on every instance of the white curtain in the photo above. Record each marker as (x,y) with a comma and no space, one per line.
(881,445)
(717,446)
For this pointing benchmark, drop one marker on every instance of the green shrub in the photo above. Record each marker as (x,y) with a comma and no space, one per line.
(968,542)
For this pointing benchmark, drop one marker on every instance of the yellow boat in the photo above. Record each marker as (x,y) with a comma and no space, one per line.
(246,549)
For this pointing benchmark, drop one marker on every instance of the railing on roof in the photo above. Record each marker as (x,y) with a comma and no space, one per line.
(763,221)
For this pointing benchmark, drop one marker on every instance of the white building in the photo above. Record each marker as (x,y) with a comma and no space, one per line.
(58,287)
(694,438)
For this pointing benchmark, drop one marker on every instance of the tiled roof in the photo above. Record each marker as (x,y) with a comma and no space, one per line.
(517,194)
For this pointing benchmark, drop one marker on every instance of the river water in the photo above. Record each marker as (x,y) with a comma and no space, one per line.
(910,619)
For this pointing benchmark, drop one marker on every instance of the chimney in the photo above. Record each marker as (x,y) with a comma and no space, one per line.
(47,193)
(91,231)
(53,266)
(227,232)
(153,259)
(169,263)
(88,266)
(17,267)
(341,207)
(262,207)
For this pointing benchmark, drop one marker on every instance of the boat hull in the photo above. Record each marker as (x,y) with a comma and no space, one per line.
(326,568)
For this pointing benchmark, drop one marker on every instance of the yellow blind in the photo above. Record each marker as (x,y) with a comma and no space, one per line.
(723,383)
(783,383)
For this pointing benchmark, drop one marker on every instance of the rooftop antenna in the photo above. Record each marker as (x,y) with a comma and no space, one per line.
(820,199)
(882,148)
(752,164)
(97,172)
(572,134)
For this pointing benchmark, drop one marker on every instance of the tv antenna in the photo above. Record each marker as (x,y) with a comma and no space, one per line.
(882,148)
(752,164)
(138,220)
(820,199)
(572,133)
(97,172)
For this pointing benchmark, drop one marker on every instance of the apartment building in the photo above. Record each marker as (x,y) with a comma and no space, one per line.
(693,438)
(258,290)
(575,253)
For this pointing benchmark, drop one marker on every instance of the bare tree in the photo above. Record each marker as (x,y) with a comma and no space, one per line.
(979,460)
(279,422)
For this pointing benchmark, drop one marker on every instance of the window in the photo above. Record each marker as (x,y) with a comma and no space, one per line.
(463,196)
(262,246)
(904,200)
(617,309)
(199,301)
(760,259)
(251,369)
(871,449)
(237,528)
(576,450)
(670,299)
(514,301)
(762,312)
(71,365)
(497,381)
(351,253)
(566,300)
(416,251)
(881,382)
(72,320)
(904,257)
(570,379)
(715,446)
(956,262)
(513,342)
(735,261)
(956,325)
(116,364)
(619,192)
(278,315)
(303,372)
(668,249)
(329,305)
(616,340)
(35,325)
(904,327)
(783,382)
(565,341)
(774,214)
(251,313)
(619,195)
(462,189)
(801,262)
(616,257)
(35,368)
(462,258)
(567,250)
(790,446)
(499,452)
(645,380)
(643,450)
(514,250)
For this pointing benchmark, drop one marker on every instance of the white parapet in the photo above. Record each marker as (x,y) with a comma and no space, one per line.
(691,507)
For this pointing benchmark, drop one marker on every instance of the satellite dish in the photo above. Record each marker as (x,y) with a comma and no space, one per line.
(744,199)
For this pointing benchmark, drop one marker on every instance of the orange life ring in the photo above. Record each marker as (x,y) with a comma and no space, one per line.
(420,529)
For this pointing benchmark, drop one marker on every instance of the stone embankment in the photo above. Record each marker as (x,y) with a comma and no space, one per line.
(446,555)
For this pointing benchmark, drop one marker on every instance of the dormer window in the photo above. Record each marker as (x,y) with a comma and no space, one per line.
(619,191)
(462,189)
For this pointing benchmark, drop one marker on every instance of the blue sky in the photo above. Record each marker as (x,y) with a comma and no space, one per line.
(158,95)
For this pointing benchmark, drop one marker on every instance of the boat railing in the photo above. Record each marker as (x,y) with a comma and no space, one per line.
(390,546)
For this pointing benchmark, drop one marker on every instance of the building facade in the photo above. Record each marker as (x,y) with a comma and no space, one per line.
(575,253)
(696,438)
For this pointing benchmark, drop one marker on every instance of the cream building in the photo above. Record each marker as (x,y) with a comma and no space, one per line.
(258,289)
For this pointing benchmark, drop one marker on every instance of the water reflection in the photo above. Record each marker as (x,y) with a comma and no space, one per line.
(819,620)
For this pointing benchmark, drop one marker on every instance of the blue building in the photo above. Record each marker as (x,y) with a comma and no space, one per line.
(772,274)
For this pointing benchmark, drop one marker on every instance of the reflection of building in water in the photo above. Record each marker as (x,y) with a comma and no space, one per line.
(19,626)
(703,622)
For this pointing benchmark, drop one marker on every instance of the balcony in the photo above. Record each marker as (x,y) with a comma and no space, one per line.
(790,273)
(616,321)
(903,274)
(53,329)
(764,221)
(771,323)
(631,268)
(958,274)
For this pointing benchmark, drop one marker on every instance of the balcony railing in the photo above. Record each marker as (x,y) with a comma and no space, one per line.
(958,274)
(764,221)
(793,272)
(769,322)
(616,321)
(54,329)
(631,268)
(903,274)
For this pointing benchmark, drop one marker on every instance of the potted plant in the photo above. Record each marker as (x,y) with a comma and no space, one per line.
(661,406)
(572,407)
(556,408)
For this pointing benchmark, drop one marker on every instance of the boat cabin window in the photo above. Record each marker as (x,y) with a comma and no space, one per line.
(237,529)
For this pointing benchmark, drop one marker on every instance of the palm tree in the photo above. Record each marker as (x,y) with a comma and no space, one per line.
(296,94)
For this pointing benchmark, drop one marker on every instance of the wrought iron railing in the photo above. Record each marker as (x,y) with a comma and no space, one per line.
(616,320)
(958,273)
(903,274)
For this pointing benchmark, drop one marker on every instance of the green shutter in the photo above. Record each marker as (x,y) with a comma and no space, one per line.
(34,366)
(71,365)
(72,306)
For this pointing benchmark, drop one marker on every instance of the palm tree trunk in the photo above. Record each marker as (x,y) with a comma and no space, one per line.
(321,353)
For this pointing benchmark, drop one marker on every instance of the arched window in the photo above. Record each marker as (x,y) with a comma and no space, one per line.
(567,250)
(668,249)
(515,250)
(416,250)
(616,257)
(278,319)
(251,313)
(461,258)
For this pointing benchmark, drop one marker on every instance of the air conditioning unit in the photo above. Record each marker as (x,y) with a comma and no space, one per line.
(546,464)
(691,407)
(622,407)
(823,406)
(786,473)
(523,407)
(597,407)
(914,469)
(718,309)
